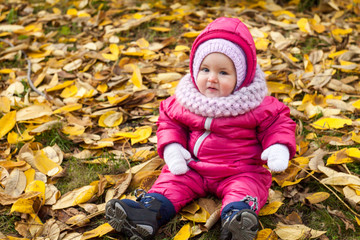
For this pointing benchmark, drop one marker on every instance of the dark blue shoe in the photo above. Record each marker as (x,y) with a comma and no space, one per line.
(239,225)
(134,219)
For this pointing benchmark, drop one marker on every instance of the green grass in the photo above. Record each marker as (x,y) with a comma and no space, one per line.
(79,174)
(7,221)
(55,136)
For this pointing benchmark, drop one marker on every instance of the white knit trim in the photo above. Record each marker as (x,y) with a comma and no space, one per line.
(239,102)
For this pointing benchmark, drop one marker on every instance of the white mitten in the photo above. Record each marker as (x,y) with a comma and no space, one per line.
(175,156)
(277,157)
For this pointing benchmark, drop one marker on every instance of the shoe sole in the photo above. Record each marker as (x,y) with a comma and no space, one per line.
(117,218)
(240,226)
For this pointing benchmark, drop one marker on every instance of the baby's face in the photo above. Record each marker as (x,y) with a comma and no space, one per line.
(217,76)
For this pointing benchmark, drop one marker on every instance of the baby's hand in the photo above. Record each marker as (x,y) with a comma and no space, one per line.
(175,156)
(277,157)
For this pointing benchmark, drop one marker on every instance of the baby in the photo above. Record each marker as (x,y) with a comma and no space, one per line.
(215,135)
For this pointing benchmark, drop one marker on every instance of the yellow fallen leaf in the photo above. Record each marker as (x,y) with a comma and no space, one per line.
(307,64)
(266,234)
(262,44)
(136,77)
(183,48)
(339,31)
(30,175)
(339,157)
(296,231)
(4,104)
(68,108)
(184,233)
(37,186)
(331,123)
(191,34)
(85,196)
(74,197)
(353,153)
(341,179)
(14,138)
(60,86)
(270,208)
(117,99)
(275,87)
(73,130)
(7,122)
(143,134)
(33,111)
(45,164)
(97,232)
(73,65)
(357,220)
(142,43)
(23,205)
(160,29)
(283,12)
(6,71)
(79,220)
(39,54)
(304,25)
(69,91)
(318,197)
(71,12)
(110,119)
(102,87)
(110,57)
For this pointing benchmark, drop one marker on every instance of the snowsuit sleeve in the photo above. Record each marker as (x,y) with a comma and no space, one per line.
(275,125)
(169,130)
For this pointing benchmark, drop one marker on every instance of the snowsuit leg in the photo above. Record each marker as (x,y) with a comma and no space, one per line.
(250,188)
(179,189)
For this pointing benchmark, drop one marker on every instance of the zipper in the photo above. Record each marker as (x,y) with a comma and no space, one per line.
(198,142)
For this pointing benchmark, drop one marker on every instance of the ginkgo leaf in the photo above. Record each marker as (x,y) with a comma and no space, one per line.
(7,122)
(331,123)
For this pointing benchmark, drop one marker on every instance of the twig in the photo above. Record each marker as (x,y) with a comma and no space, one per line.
(332,191)
(28,70)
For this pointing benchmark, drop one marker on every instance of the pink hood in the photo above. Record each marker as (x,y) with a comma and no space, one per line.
(234,30)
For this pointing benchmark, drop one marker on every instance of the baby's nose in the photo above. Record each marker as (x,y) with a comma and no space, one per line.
(212,77)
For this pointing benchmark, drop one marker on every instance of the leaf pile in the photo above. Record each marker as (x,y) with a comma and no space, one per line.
(94,72)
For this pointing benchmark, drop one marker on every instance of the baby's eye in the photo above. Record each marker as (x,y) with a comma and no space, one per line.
(223,73)
(205,69)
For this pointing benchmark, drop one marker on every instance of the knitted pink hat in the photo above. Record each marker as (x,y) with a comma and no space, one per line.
(231,50)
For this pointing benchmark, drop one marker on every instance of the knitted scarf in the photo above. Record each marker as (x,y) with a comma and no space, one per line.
(237,103)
